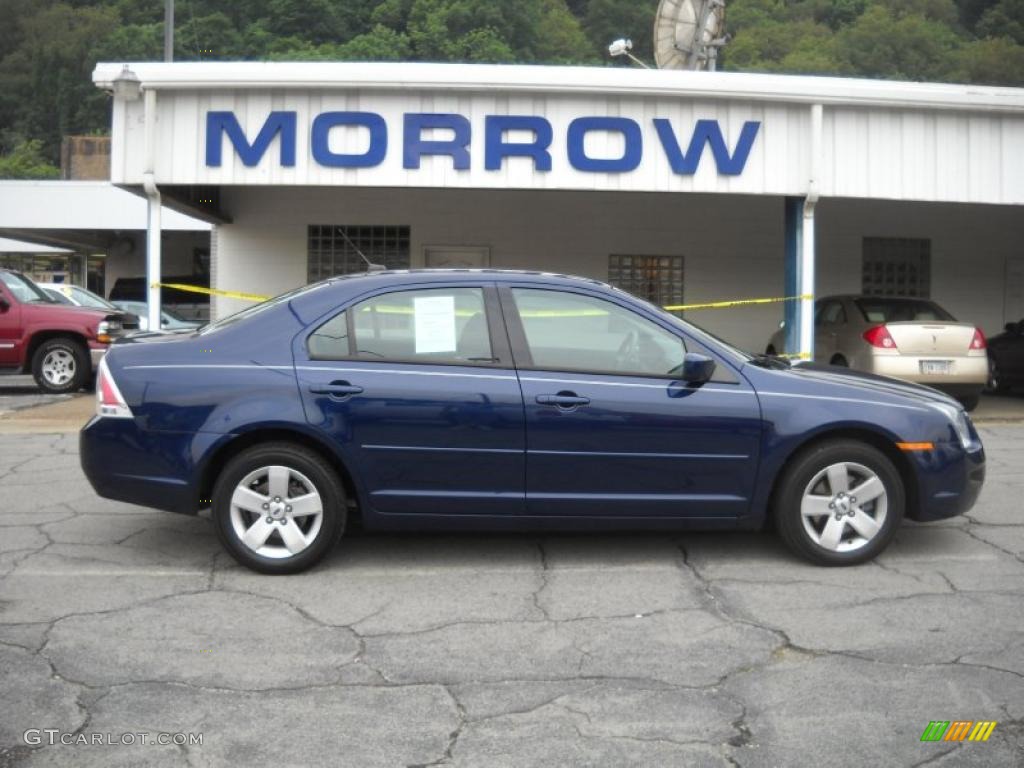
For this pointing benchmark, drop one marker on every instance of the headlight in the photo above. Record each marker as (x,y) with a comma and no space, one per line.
(107,329)
(961,423)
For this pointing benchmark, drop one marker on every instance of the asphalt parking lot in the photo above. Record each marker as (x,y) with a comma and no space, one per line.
(472,650)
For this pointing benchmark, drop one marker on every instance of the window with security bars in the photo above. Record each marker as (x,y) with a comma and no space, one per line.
(659,279)
(334,249)
(896,266)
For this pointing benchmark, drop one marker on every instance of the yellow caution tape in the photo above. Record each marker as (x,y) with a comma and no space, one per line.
(213,291)
(736,303)
(533,313)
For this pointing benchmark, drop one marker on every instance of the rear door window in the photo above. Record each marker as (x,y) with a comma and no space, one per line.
(435,325)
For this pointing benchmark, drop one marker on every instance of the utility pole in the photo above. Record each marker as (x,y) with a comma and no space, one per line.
(168,30)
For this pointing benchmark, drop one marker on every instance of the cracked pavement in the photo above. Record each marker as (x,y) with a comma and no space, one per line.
(517,650)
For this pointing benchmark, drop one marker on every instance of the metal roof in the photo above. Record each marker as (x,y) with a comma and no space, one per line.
(792,89)
(20,246)
(81,205)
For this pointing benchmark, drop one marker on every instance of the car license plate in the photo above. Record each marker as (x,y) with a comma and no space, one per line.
(936,367)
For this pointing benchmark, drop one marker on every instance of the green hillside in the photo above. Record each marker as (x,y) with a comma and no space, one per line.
(48,49)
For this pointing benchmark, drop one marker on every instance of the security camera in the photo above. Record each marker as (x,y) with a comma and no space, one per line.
(620,47)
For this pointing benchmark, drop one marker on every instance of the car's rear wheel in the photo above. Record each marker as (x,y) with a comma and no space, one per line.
(60,365)
(278,508)
(839,503)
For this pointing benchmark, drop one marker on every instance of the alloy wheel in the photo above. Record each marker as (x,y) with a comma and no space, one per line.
(58,367)
(844,507)
(276,512)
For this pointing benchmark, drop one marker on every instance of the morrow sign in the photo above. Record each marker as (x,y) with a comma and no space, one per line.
(498,144)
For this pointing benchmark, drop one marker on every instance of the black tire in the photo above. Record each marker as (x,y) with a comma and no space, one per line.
(969,402)
(799,473)
(770,350)
(325,482)
(61,351)
(840,361)
(995,380)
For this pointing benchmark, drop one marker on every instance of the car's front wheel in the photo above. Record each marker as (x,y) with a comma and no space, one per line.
(839,502)
(60,365)
(278,508)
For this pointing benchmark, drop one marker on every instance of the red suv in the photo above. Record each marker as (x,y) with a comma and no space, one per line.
(60,345)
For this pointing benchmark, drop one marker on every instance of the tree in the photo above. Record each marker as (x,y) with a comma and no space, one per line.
(911,47)
(1005,19)
(608,20)
(26,161)
(997,61)
(46,82)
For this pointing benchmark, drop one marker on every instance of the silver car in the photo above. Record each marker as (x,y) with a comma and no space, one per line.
(906,338)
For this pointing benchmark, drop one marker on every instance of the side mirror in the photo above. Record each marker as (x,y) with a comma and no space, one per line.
(697,368)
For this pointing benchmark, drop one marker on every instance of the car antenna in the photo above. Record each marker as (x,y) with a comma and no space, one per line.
(370,266)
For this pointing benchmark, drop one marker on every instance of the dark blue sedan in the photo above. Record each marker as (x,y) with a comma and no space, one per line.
(493,399)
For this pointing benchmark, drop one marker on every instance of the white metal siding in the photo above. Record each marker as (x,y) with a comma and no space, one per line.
(898,154)
(777,163)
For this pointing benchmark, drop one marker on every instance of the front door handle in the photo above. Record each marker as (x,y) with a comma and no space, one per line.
(337,389)
(563,400)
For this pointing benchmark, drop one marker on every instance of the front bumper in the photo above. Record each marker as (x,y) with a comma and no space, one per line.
(950,482)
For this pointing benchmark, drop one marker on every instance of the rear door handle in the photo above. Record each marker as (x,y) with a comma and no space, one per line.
(563,400)
(339,389)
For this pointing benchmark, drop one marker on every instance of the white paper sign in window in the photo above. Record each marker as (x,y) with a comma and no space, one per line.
(434,324)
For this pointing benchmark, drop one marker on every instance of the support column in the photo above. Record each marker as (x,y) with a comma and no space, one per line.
(805,280)
(794,221)
(153,210)
(803,251)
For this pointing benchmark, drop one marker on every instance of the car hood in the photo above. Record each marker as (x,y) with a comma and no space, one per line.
(866,386)
(70,313)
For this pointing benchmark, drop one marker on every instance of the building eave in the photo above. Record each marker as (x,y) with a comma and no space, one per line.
(389,76)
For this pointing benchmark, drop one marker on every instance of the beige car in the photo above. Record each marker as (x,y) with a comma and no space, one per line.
(911,339)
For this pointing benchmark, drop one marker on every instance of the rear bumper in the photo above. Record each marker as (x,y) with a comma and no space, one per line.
(968,374)
(125,463)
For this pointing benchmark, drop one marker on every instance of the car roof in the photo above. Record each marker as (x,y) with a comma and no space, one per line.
(423,275)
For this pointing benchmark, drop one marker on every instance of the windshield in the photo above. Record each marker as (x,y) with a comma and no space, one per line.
(86,298)
(170,314)
(24,290)
(58,297)
(886,310)
(262,306)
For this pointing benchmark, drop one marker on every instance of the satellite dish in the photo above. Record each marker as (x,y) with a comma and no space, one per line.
(688,33)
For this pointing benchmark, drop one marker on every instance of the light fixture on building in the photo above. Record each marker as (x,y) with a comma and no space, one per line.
(127,85)
(622,47)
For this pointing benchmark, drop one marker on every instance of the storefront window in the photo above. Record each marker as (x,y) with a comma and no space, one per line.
(658,279)
(897,266)
(334,249)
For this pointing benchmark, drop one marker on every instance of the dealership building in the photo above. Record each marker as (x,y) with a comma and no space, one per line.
(682,187)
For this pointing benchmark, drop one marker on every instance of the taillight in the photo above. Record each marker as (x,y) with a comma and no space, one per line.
(978,342)
(109,402)
(878,336)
